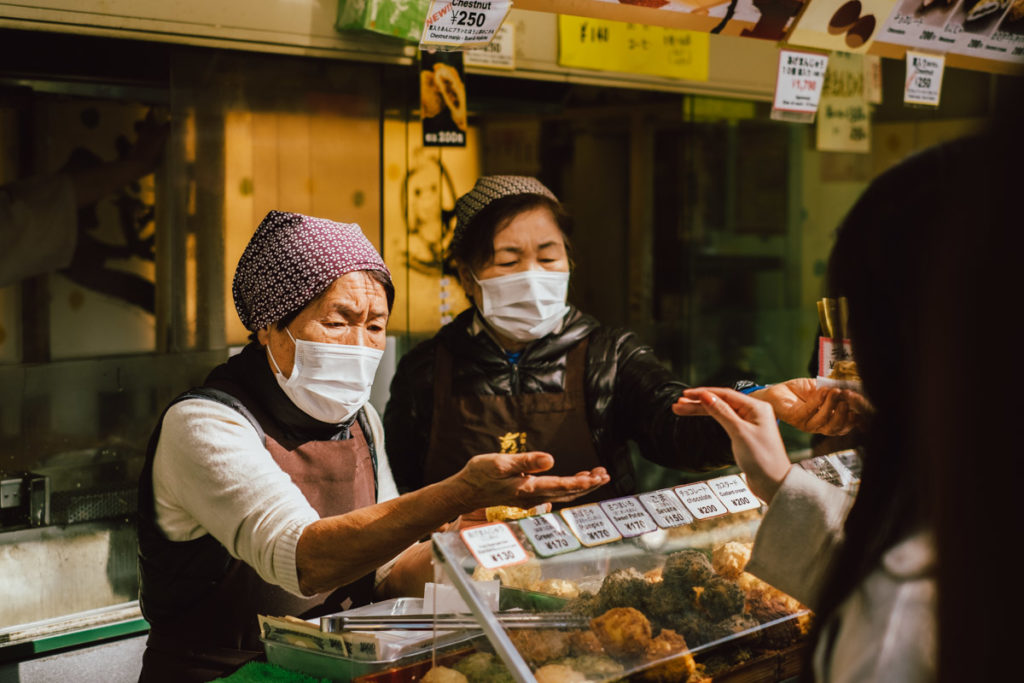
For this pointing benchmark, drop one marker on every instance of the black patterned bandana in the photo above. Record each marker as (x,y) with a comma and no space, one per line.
(486,190)
(290,259)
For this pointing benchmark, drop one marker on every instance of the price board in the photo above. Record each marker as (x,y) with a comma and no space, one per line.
(666,508)
(734,494)
(548,535)
(629,516)
(493,545)
(700,500)
(590,524)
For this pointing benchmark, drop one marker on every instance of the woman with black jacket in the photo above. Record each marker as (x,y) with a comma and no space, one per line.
(524,370)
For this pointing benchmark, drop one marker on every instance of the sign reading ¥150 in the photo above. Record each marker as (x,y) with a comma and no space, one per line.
(632,48)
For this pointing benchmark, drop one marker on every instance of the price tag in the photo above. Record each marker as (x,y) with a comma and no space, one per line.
(590,525)
(734,494)
(798,85)
(822,469)
(462,24)
(500,53)
(924,78)
(700,500)
(629,516)
(548,535)
(493,545)
(666,508)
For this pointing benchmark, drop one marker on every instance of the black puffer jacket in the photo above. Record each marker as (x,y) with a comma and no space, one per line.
(628,393)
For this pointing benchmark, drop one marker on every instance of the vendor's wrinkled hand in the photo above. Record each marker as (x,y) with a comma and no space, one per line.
(512,479)
(756,442)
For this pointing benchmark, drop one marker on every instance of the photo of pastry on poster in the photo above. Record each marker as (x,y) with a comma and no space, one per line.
(988,29)
(442,99)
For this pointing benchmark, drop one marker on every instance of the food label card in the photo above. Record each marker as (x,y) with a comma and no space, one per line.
(548,535)
(924,78)
(590,524)
(798,85)
(493,545)
(629,516)
(700,500)
(734,493)
(666,508)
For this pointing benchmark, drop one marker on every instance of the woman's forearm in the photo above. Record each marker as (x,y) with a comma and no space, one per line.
(337,550)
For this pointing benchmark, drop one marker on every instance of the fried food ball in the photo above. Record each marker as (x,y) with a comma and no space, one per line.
(721,598)
(673,658)
(474,666)
(585,604)
(729,559)
(525,575)
(558,673)
(623,631)
(541,645)
(783,628)
(594,666)
(623,588)
(585,643)
(442,674)
(685,569)
(666,601)
(693,626)
(563,588)
(736,623)
(766,596)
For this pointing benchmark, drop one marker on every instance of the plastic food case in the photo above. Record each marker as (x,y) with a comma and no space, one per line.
(648,587)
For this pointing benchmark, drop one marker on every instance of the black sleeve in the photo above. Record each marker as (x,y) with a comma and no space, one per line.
(641,410)
(408,415)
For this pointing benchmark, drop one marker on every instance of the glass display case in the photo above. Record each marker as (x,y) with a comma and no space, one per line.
(649,587)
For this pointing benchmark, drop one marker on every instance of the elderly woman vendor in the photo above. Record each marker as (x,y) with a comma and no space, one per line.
(522,369)
(268,490)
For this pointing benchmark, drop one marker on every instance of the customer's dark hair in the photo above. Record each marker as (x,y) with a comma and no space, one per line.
(922,258)
(475,246)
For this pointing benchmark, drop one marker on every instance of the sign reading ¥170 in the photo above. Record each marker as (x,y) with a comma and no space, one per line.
(588,43)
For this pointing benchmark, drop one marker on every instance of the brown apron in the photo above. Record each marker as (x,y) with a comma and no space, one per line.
(221,633)
(555,423)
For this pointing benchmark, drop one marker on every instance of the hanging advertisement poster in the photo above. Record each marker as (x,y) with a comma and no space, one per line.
(442,99)
(843,114)
(841,25)
(987,29)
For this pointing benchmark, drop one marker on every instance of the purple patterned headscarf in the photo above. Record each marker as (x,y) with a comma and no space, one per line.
(290,259)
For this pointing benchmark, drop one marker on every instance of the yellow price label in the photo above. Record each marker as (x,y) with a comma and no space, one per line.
(632,48)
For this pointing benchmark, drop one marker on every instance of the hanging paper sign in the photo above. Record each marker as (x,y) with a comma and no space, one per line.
(500,53)
(798,85)
(841,25)
(629,516)
(493,545)
(924,79)
(700,500)
(873,78)
(442,99)
(590,525)
(632,48)
(843,116)
(462,24)
(666,508)
(548,535)
(734,494)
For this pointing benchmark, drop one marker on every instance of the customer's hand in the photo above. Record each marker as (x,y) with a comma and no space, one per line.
(512,479)
(750,424)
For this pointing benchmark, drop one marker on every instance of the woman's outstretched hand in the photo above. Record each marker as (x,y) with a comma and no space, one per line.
(750,424)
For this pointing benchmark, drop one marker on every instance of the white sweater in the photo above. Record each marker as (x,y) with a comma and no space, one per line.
(212,475)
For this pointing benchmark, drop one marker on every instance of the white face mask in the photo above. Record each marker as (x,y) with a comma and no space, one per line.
(525,306)
(329,382)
